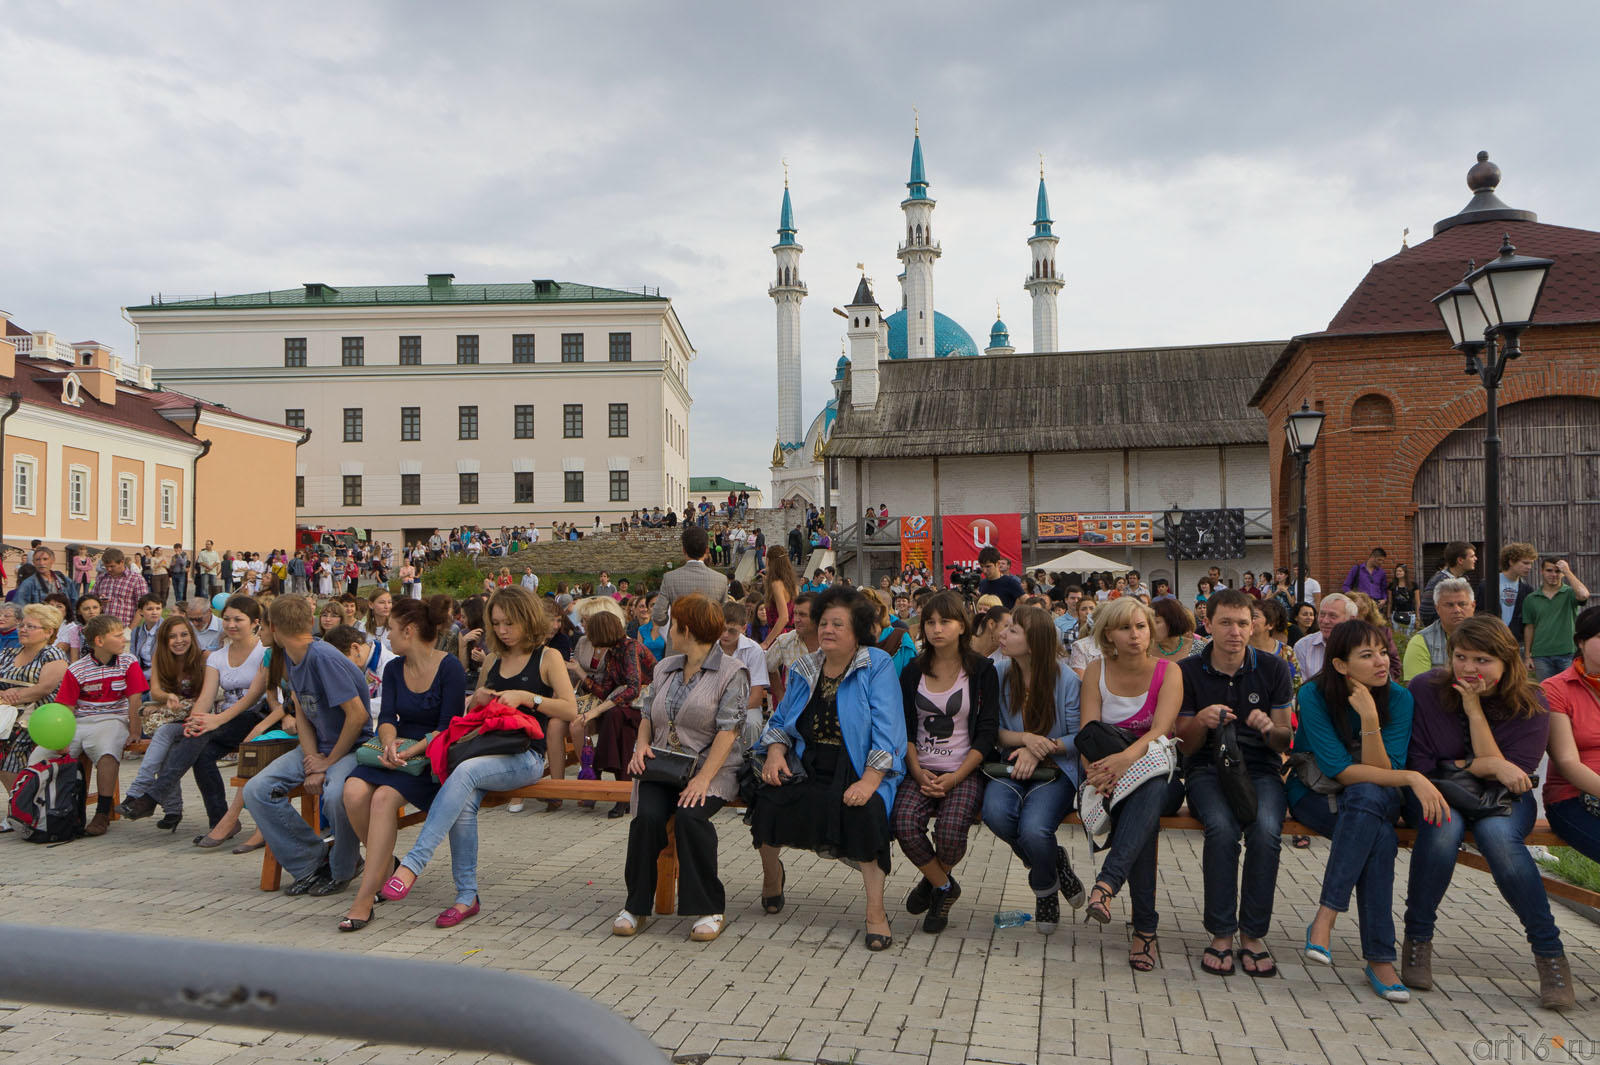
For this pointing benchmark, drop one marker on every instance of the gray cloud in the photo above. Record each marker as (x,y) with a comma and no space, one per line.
(1217,172)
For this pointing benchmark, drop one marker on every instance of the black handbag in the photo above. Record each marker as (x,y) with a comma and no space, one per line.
(668,767)
(477,744)
(1473,797)
(1097,740)
(1233,776)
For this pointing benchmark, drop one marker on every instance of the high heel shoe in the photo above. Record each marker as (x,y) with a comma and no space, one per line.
(1388,992)
(774,903)
(170,822)
(210,842)
(1099,907)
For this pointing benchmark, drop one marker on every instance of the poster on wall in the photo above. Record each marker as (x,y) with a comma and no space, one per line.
(1089,530)
(916,541)
(967,534)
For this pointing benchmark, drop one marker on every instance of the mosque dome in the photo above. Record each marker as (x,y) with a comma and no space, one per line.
(948,337)
(840,367)
(999,335)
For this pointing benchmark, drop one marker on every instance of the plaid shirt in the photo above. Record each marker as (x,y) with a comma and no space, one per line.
(121,594)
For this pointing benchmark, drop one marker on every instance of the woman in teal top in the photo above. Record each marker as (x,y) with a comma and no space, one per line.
(1355,723)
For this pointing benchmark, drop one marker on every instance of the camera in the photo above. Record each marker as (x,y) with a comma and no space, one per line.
(965,576)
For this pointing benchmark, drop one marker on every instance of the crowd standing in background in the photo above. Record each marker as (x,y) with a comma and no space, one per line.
(852,722)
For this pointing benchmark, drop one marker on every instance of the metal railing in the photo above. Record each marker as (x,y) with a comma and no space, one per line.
(404,1003)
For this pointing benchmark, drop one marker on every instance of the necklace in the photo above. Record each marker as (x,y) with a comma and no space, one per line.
(1164,653)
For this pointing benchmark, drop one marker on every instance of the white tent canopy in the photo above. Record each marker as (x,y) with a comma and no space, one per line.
(1081,562)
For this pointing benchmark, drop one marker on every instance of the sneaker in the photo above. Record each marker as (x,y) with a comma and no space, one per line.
(1071,886)
(920,898)
(514,807)
(939,915)
(1046,914)
(310,880)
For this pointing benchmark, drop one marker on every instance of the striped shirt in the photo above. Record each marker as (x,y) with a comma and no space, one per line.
(96,689)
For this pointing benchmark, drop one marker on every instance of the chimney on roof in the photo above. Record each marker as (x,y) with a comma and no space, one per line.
(1485,206)
(440,280)
(92,363)
(8,350)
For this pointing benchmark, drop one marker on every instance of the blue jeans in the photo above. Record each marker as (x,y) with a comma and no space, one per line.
(170,798)
(1500,841)
(297,846)
(1547,666)
(1135,845)
(1361,857)
(1576,825)
(180,587)
(454,813)
(1228,909)
(1026,815)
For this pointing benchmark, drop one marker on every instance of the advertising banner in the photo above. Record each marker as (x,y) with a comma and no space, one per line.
(967,534)
(916,541)
(1087,530)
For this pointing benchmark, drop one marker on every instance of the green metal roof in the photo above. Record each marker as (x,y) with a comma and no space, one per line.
(322,295)
(719,484)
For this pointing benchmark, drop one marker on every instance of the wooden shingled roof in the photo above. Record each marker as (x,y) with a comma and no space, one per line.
(1060,401)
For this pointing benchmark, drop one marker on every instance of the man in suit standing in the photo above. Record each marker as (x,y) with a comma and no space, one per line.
(691,577)
(1503,593)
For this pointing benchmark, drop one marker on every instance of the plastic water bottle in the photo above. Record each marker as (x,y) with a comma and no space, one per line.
(1012,919)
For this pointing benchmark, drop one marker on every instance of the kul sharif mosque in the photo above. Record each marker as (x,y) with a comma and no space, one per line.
(915,331)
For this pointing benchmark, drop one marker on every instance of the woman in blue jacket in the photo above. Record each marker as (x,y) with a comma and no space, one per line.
(842,717)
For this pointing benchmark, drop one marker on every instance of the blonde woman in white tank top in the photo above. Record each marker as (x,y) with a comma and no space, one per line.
(1117,689)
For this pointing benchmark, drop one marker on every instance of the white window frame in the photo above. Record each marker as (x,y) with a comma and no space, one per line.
(127,499)
(24,484)
(168,503)
(79,507)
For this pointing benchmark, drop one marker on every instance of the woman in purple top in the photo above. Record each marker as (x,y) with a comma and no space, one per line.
(1481,713)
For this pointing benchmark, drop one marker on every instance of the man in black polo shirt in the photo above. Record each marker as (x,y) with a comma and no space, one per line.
(995,581)
(1232,681)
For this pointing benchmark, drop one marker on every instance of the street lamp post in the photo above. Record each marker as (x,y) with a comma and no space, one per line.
(1495,302)
(1301,429)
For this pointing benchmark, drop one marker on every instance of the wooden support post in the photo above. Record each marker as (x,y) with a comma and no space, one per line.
(667,873)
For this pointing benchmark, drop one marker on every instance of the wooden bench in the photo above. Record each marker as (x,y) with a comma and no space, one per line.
(667,863)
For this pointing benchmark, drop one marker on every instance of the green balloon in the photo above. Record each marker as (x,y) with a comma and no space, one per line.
(52,726)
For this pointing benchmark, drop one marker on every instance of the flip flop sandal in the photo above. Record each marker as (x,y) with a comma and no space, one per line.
(1257,957)
(1221,956)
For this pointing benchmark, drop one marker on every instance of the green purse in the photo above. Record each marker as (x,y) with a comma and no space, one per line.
(371,754)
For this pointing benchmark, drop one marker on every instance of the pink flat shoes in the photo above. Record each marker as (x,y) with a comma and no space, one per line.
(452,917)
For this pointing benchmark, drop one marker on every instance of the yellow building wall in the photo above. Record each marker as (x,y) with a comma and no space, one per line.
(20,527)
(244,491)
(167,536)
(84,529)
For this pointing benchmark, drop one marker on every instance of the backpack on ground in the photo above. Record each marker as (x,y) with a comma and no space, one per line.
(47,801)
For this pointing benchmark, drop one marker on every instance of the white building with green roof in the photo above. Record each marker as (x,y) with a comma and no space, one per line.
(443,404)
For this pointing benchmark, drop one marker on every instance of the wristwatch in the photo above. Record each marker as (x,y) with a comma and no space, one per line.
(538,700)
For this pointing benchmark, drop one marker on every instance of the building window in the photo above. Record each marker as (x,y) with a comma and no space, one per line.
(410,423)
(621,347)
(619,486)
(411,489)
(294,351)
(522,347)
(169,505)
(522,421)
(352,489)
(466,351)
(23,472)
(299,491)
(469,487)
(410,351)
(78,492)
(127,498)
(467,423)
(352,425)
(617,421)
(571,347)
(295,417)
(574,483)
(572,420)
(524,487)
(353,351)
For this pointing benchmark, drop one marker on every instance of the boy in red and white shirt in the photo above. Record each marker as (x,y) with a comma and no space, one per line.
(102,688)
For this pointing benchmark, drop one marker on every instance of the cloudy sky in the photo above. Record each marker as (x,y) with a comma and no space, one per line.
(1218,172)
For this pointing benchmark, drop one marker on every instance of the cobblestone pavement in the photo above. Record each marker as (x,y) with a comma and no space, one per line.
(801,987)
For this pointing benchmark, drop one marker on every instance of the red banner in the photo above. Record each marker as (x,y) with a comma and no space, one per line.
(967,534)
(916,541)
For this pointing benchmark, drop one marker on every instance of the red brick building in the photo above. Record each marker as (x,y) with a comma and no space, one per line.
(1399,463)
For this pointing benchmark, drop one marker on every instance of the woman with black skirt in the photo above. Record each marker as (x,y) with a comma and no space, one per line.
(842,716)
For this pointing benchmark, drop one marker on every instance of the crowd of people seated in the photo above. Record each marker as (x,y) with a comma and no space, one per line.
(857,723)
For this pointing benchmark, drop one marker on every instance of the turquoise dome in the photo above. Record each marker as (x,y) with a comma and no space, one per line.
(999,335)
(840,367)
(948,337)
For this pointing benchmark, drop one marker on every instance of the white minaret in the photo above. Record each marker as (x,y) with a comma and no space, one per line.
(866,332)
(918,253)
(787,291)
(1043,284)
